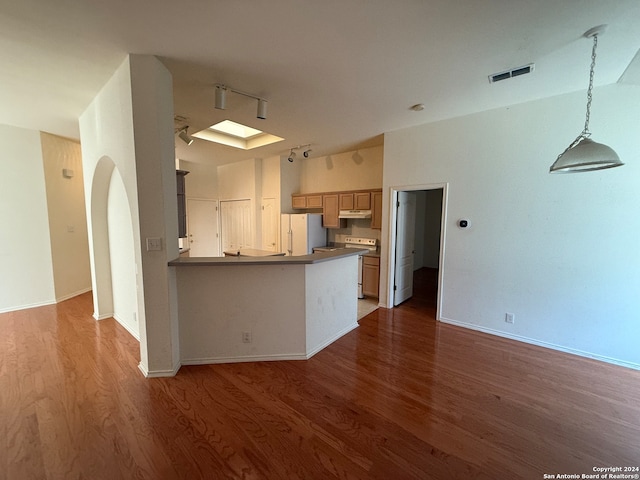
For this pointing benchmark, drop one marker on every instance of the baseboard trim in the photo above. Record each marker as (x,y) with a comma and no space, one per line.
(328,342)
(25,307)
(539,343)
(104,316)
(158,373)
(74,294)
(241,359)
(134,334)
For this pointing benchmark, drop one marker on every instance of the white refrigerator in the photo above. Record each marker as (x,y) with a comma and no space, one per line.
(301,232)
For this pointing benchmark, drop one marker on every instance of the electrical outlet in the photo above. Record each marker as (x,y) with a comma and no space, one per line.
(246,337)
(509,318)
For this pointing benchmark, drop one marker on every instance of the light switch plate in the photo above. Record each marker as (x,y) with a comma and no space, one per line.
(154,244)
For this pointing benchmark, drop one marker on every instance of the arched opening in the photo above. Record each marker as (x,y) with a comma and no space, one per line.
(113,248)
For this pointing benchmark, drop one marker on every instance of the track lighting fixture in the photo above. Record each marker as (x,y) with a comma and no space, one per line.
(184,136)
(221,100)
(584,155)
(305,154)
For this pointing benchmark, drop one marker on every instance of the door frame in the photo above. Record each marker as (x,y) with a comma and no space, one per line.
(392,231)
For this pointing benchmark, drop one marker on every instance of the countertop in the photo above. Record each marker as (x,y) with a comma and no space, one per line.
(252,252)
(295,260)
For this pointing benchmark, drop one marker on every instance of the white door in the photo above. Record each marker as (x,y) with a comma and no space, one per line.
(235,224)
(202,219)
(405,246)
(269,225)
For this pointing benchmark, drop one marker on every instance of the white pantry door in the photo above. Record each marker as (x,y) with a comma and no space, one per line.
(270,229)
(405,246)
(235,224)
(202,219)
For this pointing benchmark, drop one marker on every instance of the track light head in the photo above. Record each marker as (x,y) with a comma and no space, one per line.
(262,109)
(184,136)
(292,156)
(306,153)
(221,97)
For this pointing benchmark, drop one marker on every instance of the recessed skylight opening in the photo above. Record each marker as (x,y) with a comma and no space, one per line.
(236,135)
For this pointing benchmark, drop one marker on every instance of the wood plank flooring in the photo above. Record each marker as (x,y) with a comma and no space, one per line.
(401,397)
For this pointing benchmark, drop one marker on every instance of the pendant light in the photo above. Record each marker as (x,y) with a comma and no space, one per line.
(584,155)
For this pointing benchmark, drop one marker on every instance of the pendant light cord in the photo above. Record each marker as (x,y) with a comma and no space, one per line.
(585,132)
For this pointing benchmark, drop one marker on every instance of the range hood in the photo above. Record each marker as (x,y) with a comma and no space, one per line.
(354,214)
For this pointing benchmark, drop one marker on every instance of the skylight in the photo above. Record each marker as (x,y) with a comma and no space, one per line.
(236,135)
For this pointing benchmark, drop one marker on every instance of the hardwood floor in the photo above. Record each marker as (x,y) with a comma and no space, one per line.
(401,397)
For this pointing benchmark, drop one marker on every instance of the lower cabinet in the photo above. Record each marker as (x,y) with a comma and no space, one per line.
(370,275)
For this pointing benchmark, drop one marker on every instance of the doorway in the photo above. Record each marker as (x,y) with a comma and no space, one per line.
(416,253)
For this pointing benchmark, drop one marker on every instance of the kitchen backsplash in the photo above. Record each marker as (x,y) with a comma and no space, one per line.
(358,227)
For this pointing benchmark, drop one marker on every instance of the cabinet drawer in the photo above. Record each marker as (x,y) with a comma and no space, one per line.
(375,261)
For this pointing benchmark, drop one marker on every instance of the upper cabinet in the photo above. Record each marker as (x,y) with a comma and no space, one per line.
(332,202)
(330,211)
(376,209)
(306,201)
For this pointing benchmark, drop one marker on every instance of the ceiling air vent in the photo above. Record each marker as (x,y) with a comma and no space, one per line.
(515,72)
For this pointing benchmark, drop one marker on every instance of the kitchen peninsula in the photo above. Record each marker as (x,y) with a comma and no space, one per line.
(240,309)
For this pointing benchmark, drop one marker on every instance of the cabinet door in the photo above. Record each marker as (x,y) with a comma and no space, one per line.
(346,201)
(330,210)
(370,276)
(362,200)
(298,201)
(314,201)
(376,209)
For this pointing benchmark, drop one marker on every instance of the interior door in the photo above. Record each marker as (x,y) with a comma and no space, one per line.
(235,224)
(405,246)
(269,225)
(202,220)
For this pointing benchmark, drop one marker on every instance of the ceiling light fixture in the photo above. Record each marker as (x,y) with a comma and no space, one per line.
(418,107)
(221,99)
(305,153)
(583,154)
(184,136)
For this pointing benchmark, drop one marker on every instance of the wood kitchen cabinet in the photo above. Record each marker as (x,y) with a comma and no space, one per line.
(370,275)
(376,209)
(355,201)
(306,201)
(346,201)
(330,211)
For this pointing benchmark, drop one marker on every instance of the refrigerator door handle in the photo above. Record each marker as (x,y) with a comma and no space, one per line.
(290,235)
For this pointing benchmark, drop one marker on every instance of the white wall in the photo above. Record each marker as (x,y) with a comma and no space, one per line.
(129,126)
(360,169)
(26,276)
(559,251)
(67,216)
(202,181)
(122,256)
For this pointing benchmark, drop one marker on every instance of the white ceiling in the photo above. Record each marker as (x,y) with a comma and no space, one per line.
(337,73)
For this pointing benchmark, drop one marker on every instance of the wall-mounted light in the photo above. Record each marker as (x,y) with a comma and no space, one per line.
(305,153)
(584,155)
(184,136)
(221,99)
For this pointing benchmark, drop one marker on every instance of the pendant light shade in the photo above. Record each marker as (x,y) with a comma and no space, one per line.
(585,155)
